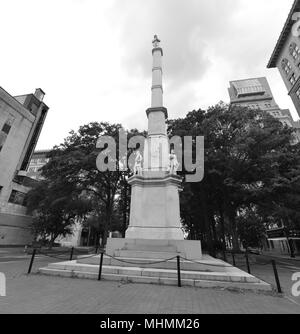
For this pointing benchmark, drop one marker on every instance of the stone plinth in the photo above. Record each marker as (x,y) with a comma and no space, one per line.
(150,248)
(154,210)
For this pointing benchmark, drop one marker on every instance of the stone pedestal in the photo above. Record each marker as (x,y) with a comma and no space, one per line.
(154,210)
(153,249)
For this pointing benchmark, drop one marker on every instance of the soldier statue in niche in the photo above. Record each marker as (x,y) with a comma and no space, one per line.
(173,163)
(137,169)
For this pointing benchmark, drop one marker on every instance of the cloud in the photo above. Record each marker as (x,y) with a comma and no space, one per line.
(186,29)
(93,58)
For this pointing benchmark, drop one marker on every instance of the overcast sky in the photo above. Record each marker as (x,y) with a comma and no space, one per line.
(93,57)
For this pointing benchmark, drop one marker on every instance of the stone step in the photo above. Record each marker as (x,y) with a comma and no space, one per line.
(204,265)
(239,276)
(259,286)
(146,254)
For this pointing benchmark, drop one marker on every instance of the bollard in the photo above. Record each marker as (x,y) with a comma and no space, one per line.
(247,261)
(233,259)
(31,261)
(178,271)
(72,251)
(100,266)
(276,276)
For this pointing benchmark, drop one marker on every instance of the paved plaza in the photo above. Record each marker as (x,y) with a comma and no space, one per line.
(43,294)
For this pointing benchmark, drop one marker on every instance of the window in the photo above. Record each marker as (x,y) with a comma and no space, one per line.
(276,114)
(298,93)
(7,126)
(3,137)
(42,161)
(254,106)
(17,197)
(286,66)
(294,51)
(293,79)
(5,130)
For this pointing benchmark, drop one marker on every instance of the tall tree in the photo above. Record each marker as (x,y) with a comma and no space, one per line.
(242,146)
(55,206)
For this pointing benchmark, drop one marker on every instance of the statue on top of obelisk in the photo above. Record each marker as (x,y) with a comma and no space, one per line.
(156,42)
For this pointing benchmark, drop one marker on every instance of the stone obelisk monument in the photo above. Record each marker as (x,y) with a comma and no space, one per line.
(154,222)
(154,211)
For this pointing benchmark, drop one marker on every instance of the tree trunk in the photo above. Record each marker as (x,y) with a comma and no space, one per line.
(107,225)
(211,250)
(105,232)
(52,240)
(222,222)
(213,227)
(234,232)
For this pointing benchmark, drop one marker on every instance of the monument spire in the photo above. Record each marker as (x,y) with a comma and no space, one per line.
(157,88)
(157,114)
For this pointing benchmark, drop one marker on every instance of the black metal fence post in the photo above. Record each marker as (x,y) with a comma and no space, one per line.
(72,251)
(178,271)
(100,266)
(233,259)
(31,261)
(276,276)
(247,262)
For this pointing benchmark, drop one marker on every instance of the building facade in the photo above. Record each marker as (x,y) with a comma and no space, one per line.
(286,55)
(21,121)
(256,93)
(38,160)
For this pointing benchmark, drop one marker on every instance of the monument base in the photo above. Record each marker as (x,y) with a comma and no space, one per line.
(155,262)
(154,208)
(157,233)
(151,248)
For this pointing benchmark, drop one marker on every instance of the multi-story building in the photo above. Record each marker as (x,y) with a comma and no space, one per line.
(21,121)
(256,93)
(38,160)
(286,55)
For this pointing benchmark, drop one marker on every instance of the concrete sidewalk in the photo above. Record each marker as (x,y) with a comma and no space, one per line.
(43,294)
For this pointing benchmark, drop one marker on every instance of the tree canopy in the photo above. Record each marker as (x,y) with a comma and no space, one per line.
(250,163)
(251,180)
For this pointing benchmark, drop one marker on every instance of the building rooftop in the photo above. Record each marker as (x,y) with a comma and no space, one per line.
(284,35)
(248,87)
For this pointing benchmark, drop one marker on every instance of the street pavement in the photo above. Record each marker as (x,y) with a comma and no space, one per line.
(36,293)
(261,266)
